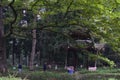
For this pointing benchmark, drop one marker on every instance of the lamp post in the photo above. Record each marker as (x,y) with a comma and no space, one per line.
(13,55)
(24,21)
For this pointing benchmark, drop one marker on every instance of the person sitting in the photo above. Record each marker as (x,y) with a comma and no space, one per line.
(70,69)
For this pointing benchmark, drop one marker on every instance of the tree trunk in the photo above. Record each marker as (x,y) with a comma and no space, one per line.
(33,49)
(75,61)
(19,58)
(27,58)
(66,59)
(13,52)
(3,66)
(38,58)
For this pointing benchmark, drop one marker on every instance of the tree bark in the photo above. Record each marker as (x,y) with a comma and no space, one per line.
(3,66)
(66,59)
(33,49)
(13,52)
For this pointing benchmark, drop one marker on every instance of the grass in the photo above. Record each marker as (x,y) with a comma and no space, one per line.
(81,74)
(8,78)
(100,74)
(101,71)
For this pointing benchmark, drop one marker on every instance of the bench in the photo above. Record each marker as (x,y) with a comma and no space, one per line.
(92,68)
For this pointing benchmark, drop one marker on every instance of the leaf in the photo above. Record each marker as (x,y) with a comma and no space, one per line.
(118,1)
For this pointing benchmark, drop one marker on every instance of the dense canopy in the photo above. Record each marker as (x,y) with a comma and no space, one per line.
(36,29)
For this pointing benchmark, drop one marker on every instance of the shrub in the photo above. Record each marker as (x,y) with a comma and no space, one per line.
(50,76)
(9,78)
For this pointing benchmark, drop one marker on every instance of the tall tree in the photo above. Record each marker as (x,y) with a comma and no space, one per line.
(3,66)
(32,55)
(101,17)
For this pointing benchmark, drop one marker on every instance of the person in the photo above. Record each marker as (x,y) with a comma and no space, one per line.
(49,66)
(56,67)
(36,66)
(19,67)
(14,67)
(70,69)
(44,66)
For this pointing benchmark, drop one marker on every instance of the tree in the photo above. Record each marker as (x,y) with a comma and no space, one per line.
(33,51)
(3,64)
(100,17)
(60,15)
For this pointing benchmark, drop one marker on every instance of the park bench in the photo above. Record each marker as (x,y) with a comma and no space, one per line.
(92,68)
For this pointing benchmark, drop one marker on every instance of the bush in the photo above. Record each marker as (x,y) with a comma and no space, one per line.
(9,78)
(50,76)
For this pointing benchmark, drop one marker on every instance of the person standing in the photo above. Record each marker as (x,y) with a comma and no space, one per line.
(44,66)
(20,68)
(56,67)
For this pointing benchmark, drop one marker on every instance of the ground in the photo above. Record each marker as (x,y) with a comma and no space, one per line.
(80,74)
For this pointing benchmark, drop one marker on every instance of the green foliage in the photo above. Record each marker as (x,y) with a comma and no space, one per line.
(9,78)
(105,73)
(111,63)
(101,17)
(101,74)
(50,76)
(105,59)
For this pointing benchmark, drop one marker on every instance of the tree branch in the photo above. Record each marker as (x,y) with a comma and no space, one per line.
(34,4)
(68,9)
(14,20)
